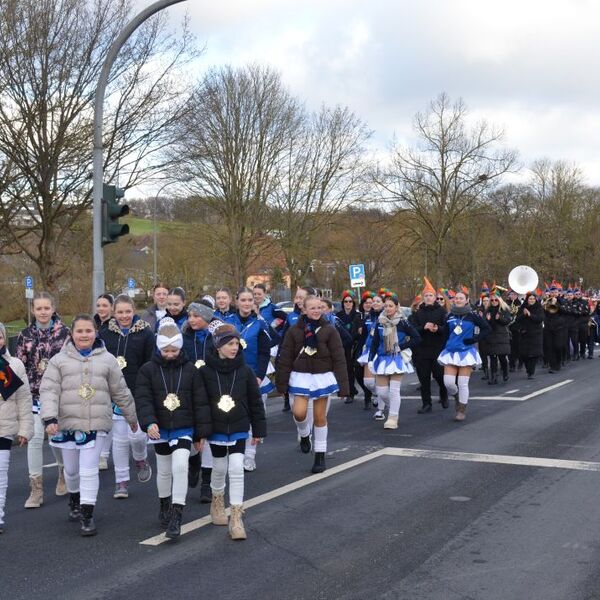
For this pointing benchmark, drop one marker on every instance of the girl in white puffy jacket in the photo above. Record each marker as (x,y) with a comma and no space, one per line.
(76,395)
(16,418)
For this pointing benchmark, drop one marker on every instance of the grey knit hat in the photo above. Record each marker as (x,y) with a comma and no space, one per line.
(201,310)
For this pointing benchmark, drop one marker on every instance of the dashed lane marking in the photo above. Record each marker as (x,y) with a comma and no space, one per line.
(524,461)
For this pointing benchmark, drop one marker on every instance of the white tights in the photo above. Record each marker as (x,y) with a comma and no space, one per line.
(251,448)
(4,462)
(233,465)
(35,449)
(462,389)
(81,471)
(394,391)
(172,475)
(123,439)
(383,396)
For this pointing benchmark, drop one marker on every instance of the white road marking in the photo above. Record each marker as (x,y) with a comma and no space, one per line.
(50,465)
(510,398)
(527,461)
(511,391)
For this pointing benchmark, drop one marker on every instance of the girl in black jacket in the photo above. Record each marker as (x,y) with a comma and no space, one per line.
(235,405)
(131,340)
(173,410)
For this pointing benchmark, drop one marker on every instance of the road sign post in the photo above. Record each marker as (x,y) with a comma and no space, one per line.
(357,275)
(131,287)
(29,295)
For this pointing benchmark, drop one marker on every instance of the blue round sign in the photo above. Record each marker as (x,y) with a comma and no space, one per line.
(131,283)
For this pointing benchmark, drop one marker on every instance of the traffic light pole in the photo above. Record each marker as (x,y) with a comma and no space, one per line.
(98,161)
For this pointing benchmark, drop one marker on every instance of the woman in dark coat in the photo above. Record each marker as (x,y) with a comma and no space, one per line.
(556,334)
(498,341)
(530,321)
(430,321)
(351,321)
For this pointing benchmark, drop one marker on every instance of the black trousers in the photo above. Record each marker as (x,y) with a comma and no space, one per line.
(350,369)
(584,335)
(573,346)
(530,364)
(426,367)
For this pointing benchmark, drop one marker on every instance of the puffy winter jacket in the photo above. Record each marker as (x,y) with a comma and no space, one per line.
(233,377)
(182,378)
(16,417)
(62,381)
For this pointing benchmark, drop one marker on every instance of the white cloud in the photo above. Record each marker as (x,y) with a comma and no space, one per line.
(531,66)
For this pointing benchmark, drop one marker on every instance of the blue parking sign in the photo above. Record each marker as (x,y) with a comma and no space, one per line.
(29,282)
(357,275)
(131,283)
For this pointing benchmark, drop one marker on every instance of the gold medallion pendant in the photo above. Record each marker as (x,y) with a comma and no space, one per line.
(243,343)
(199,363)
(310,351)
(122,362)
(42,365)
(226,403)
(172,402)
(86,391)
(458,330)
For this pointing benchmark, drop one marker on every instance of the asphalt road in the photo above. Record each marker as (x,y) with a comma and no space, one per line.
(473,516)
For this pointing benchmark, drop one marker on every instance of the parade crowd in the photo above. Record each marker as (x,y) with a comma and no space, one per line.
(191,379)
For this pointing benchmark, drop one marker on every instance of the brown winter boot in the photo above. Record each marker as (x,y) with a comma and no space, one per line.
(36,496)
(461,412)
(217,508)
(61,486)
(236,525)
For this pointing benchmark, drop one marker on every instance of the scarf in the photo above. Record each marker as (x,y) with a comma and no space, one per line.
(461,311)
(390,332)
(310,333)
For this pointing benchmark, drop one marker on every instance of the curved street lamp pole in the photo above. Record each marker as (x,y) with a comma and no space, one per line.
(98,166)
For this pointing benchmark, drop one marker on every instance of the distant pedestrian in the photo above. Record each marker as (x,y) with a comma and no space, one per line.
(104,310)
(158,309)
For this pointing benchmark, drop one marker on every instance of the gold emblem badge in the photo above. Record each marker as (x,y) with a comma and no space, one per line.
(42,365)
(86,391)
(122,362)
(172,402)
(199,363)
(226,403)
(310,351)
(458,330)
(243,343)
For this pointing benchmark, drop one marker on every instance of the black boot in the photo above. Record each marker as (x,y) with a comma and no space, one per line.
(349,400)
(286,403)
(426,408)
(319,464)
(205,491)
(305,444)
(485,374)
(74,507)
(174,527)
(164,514)
(194,470)
(368,396)
(88,526)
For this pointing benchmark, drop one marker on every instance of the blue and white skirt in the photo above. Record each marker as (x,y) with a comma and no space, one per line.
(317,385)
(465,358)
(390,364)
(76,440)
(266,386)
(363,359)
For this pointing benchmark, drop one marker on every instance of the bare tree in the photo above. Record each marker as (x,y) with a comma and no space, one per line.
(434,185)
(324,172)
(230,149)
(51,53)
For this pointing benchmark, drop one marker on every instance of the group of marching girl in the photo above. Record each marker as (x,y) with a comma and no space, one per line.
(191,380)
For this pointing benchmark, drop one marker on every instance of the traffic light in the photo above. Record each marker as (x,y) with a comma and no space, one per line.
(112,210)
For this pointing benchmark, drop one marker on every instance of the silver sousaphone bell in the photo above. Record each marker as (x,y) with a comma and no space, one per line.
(523,279)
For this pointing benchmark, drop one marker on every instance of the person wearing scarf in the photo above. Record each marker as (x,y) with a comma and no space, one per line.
(390,358)
(311,367)
(459,356)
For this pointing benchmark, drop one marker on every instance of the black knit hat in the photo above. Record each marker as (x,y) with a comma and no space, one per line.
(224,334)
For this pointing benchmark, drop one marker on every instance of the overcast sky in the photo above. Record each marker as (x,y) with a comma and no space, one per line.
(531,66)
